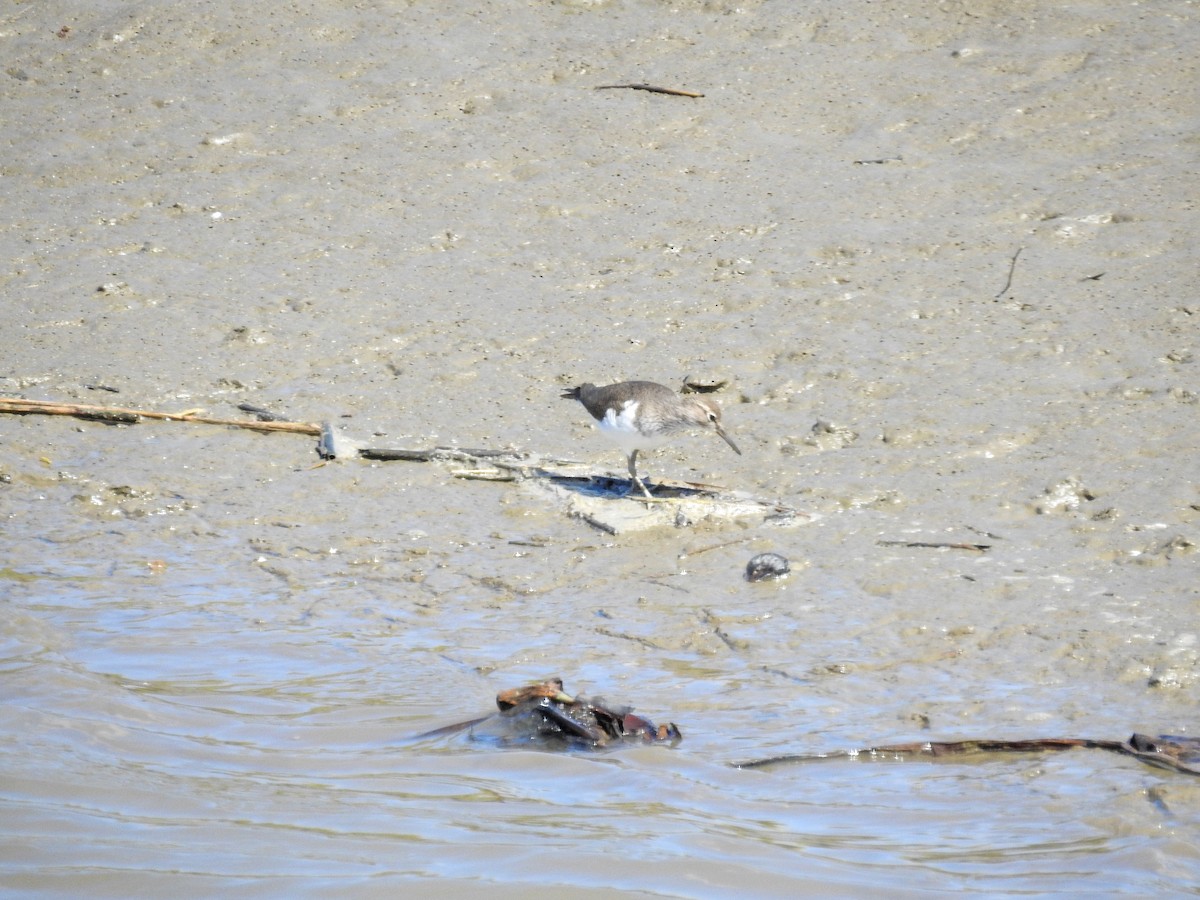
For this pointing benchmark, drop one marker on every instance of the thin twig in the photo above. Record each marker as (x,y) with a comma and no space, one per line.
(648,87)
(1011,268)
(933,545)
(721,546)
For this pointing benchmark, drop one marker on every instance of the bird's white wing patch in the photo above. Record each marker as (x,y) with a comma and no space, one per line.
(620,427)
(623,420)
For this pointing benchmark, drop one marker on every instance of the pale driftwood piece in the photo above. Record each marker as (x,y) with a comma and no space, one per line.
(485,475)
(603,503)
(123,415)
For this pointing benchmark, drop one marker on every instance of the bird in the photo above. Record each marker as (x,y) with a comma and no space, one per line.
(641,415)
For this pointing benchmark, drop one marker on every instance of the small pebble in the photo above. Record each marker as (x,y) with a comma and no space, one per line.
(767,567)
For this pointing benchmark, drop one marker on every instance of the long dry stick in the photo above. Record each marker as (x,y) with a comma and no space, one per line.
(122,415)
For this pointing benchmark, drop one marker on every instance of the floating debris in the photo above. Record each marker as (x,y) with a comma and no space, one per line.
(546,716)
(767,567)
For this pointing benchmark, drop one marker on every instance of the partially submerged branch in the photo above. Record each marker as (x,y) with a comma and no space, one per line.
(1166,751)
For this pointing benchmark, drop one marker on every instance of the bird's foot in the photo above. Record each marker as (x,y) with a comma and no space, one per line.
(645,497)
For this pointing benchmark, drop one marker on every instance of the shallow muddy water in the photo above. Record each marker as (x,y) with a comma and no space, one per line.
(944,257)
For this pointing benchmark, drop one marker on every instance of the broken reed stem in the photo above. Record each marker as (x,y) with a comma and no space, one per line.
(130,416)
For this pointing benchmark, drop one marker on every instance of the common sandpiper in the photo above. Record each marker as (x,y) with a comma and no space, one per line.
(641,415)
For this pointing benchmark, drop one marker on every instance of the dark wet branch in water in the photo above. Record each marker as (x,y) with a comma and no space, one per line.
(1180,754)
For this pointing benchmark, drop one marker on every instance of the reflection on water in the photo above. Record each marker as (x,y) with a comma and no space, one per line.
(186,725)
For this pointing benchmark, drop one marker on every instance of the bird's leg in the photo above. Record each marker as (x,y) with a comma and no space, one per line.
(634,475)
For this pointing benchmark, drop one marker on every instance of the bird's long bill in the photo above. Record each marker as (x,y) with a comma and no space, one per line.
(728,439)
